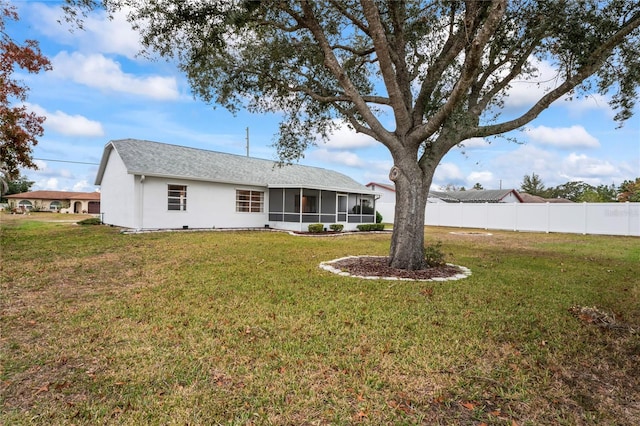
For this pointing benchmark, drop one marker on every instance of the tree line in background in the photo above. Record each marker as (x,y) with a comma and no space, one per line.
(17,185)
(579,191)
(576,191)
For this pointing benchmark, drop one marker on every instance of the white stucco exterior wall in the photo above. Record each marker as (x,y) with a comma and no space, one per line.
(117,194)
(510,198)
(209,205)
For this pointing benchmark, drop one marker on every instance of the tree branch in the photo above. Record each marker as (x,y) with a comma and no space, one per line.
(331,62)
(387,68)
(592,64)
(481,104)
(452,47)
(472,59)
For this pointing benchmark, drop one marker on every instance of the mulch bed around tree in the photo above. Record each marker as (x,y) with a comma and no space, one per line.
(377,266)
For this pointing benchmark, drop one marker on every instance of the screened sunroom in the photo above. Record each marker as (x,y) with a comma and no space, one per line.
(296,208)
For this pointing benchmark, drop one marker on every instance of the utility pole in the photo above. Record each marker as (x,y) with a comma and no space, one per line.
(247,141)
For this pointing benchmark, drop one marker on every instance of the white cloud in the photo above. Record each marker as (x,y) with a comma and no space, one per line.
(68,125)
(595,102)
(555,169)
(42,165)
(50,184)
(447,173)
(98,71)
(99,33)
(377,171)
(485,178)
(83,186)
(524,92)
(344,158)
(346,138)
(511,167)
(562,137)
(581,167)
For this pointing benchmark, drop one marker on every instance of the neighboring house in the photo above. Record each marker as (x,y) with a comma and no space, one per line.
(386,192)
(386,203)
(528,198)
(478,196)
(388,195)
(56,201)
(152,185)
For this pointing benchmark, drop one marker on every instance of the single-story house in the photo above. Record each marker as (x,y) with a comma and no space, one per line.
(56,201)
(152,185)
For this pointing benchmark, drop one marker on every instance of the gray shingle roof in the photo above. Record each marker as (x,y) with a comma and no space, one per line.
(473,195)
(160,159)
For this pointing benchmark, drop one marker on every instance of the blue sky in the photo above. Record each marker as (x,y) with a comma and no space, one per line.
(100,90)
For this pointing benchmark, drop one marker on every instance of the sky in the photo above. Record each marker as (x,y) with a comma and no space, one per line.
(100,89)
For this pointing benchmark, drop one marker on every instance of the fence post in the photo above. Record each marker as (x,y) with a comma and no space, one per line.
(548,217)
(628,218)
(584,203)
(486,215)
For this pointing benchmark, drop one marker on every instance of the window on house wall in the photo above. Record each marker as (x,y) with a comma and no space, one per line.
(25,205)
(55,205)
(177,197)
(249,201)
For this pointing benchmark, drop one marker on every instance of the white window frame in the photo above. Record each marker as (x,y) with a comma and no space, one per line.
(249,201)
(177,194)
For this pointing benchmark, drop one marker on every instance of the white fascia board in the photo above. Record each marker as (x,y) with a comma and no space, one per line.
(198,179)
(325,188)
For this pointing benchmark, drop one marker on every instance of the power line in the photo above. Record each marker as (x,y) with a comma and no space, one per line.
(66,161)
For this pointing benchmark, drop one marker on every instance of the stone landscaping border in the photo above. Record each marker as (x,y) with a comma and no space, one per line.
(465,272)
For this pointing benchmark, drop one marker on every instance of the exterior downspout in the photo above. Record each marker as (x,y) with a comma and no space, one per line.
(141,207)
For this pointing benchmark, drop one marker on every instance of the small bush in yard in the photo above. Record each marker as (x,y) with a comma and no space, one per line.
(90,221)
(316,227)
(378,217)
(336,227)
(433,255)
(371,227)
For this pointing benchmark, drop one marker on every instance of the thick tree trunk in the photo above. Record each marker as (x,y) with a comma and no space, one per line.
(407,241)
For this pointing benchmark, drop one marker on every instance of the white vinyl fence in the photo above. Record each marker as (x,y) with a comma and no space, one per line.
(576,218)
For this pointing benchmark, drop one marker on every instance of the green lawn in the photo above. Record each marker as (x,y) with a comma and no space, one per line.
(241,328)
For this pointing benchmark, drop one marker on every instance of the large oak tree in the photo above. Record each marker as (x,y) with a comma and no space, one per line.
(419,77)
(19,128)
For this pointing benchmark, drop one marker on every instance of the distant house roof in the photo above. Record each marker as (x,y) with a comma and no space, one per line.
(386,186)
(149,158)
(57,195)
(470,196)
(528,198)
(476,195)
(444,196)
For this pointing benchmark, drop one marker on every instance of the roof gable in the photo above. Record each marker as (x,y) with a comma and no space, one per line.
(388,187)
(174,161)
